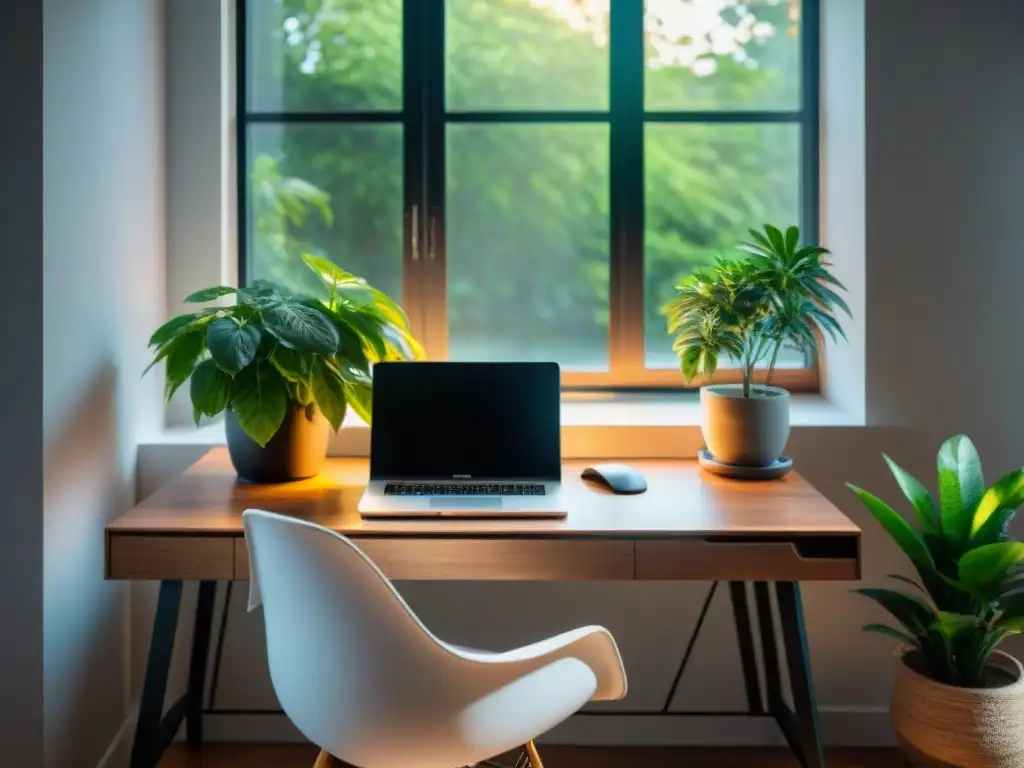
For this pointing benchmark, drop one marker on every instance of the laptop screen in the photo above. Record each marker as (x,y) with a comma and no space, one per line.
(466,421)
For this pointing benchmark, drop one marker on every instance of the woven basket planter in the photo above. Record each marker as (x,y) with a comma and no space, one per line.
(940,726)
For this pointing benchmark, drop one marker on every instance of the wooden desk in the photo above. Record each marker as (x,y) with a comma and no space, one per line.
(688,526)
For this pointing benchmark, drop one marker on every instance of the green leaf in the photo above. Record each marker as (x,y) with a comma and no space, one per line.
(210,388)
(690,363)
(176,326)
(986,567)
(953,624)
(1012,626)
(350,343)
(390,310)
(890,632)
(905,536)
(328,271)
(775,238)
(812,251)
(707,363)
(182,354)
(997,635)
(761,240)
(792,238)
(301,391)
(1007,493)
(755,250)
(828,297)
(290,363)
(370,331)
(231,345)
(260,294)
(401,344)
(911,611)
(302,327)
(209,294)
(259,399)
(329,392)
(906,580)
(360,397)
(994,528)
(918,496)
(355,294)
(161,353)
(961,485)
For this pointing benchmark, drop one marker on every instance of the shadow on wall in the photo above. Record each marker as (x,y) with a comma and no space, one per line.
(84,622)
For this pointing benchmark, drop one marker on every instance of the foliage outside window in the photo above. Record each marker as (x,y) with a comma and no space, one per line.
(531,177)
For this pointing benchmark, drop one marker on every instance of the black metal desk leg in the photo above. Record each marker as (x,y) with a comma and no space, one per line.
(197,665)
(150,730)
(745,640)
(798,660)
(777,706)
(769,651)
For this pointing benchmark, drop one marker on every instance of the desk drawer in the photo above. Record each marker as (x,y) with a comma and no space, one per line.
(490,559)
(737,561)
(140,557)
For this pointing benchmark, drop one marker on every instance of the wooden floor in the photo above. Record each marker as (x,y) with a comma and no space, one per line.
(227,756)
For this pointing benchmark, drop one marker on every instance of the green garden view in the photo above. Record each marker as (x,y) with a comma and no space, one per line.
(527,203)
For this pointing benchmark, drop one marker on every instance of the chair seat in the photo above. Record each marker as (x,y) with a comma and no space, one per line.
(593,645)
(359,674)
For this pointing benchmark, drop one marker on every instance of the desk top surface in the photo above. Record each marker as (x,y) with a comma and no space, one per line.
(681,500)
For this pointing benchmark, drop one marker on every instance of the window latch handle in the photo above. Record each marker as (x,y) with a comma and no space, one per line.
(432,237)
(414,234)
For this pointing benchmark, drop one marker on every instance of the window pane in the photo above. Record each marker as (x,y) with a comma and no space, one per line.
(331,190)
(527,237)
(706,186)
(321,55)
(722,54)
(526,54)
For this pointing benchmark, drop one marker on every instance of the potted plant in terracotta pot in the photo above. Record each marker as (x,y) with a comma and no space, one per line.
(957,700)
(284,367)
(747,309)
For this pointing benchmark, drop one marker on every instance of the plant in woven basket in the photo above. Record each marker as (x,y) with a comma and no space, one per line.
(970,596)
(271,349)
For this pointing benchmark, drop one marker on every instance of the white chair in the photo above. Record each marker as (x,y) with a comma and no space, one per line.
(362,678)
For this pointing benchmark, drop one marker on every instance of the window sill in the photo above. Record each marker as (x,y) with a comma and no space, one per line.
(667,410)
(683,410)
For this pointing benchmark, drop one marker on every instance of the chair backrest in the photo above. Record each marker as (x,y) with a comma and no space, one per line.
(350,662)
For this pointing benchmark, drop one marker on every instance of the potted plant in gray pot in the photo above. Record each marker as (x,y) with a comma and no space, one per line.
(747,309)
(284,367)
(956,700)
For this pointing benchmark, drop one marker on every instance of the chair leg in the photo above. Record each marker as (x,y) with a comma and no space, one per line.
(531,751)
(326,760)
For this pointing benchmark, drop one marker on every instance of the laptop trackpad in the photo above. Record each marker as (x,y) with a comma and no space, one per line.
(466,502)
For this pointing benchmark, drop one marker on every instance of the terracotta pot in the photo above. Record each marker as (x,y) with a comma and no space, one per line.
(745,431)
(297,451)
(941,726)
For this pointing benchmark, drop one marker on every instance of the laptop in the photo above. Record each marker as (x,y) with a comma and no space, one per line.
(465,440)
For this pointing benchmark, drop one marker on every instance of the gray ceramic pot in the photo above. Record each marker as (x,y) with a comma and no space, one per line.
(745,431)
(297,450)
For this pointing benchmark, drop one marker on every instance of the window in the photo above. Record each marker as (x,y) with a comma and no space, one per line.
(531,177)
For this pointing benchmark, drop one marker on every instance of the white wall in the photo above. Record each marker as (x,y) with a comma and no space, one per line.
(946,191)
(21,466)
(944,185)
(104,276)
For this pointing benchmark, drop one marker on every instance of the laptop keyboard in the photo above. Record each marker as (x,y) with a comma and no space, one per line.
(464,489)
